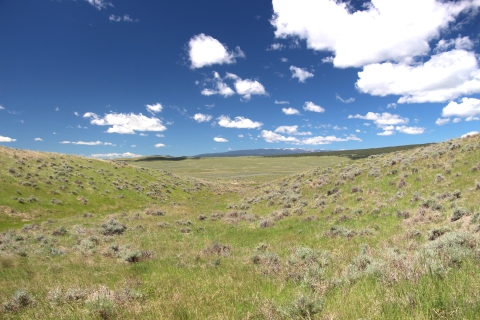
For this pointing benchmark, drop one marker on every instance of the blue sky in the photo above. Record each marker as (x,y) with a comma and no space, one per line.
(122,77)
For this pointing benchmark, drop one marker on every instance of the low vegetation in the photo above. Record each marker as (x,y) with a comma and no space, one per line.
(390,236)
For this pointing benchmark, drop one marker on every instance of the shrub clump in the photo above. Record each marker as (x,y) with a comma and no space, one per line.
(112,227)
(20,299)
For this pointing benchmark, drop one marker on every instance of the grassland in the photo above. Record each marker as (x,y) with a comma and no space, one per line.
(392,236)
(239,169)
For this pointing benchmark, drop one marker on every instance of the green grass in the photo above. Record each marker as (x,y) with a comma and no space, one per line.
(333,240)
(239,169)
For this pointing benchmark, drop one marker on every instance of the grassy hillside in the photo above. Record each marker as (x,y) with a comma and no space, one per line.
(392,236)
(37,186)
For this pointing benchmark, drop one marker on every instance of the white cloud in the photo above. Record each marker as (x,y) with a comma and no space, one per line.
(244,87)
(247,87)
(301,74)
(392,106)
(472,133)
(386,133)
(159,145)
(281,102)
(160,135)
(2,108)
(76,113)
(444,77)
(310,106)
(240,135)
(284,59)
(290,111)
(57,109)
(442,121)
(38,139)
(410,130)
(329,139)
(384,30)
(125,18)
(220,87)
(238,122)
(154,108)
(206,51)
(133,146)
(472,119)
(276,46)
(126,123)
(328,59)
(349,100)
(7,139)
(291,130)
(115,155)
(100,4)
(458,43)
(381,120)
(389,123)
(220,139)
(469,107)
(457,120)
(143,135)
(90,143)
(202,117)
(272,137)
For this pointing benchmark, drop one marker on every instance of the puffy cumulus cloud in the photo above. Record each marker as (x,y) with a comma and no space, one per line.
(159,145)
(385,30)
(100,4)
(281,102)
(292,130)
(410,130)
(469,134)
(444,77)
(7,139)
(468,108)
(300,73)
(238,122)
(247,87)
(115,155)
(88,143)
(386,133)
(381,119)
(310,106)
(199,117)
(442,121)
(154,108)
(220,139)
(126,123)
(244,87)
(272,137)
(389,123)
(206,51)
(290,111)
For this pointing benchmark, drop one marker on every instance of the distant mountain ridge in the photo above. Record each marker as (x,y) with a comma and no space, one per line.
(259,152)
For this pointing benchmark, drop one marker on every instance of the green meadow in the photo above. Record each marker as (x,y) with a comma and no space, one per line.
(391,235)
